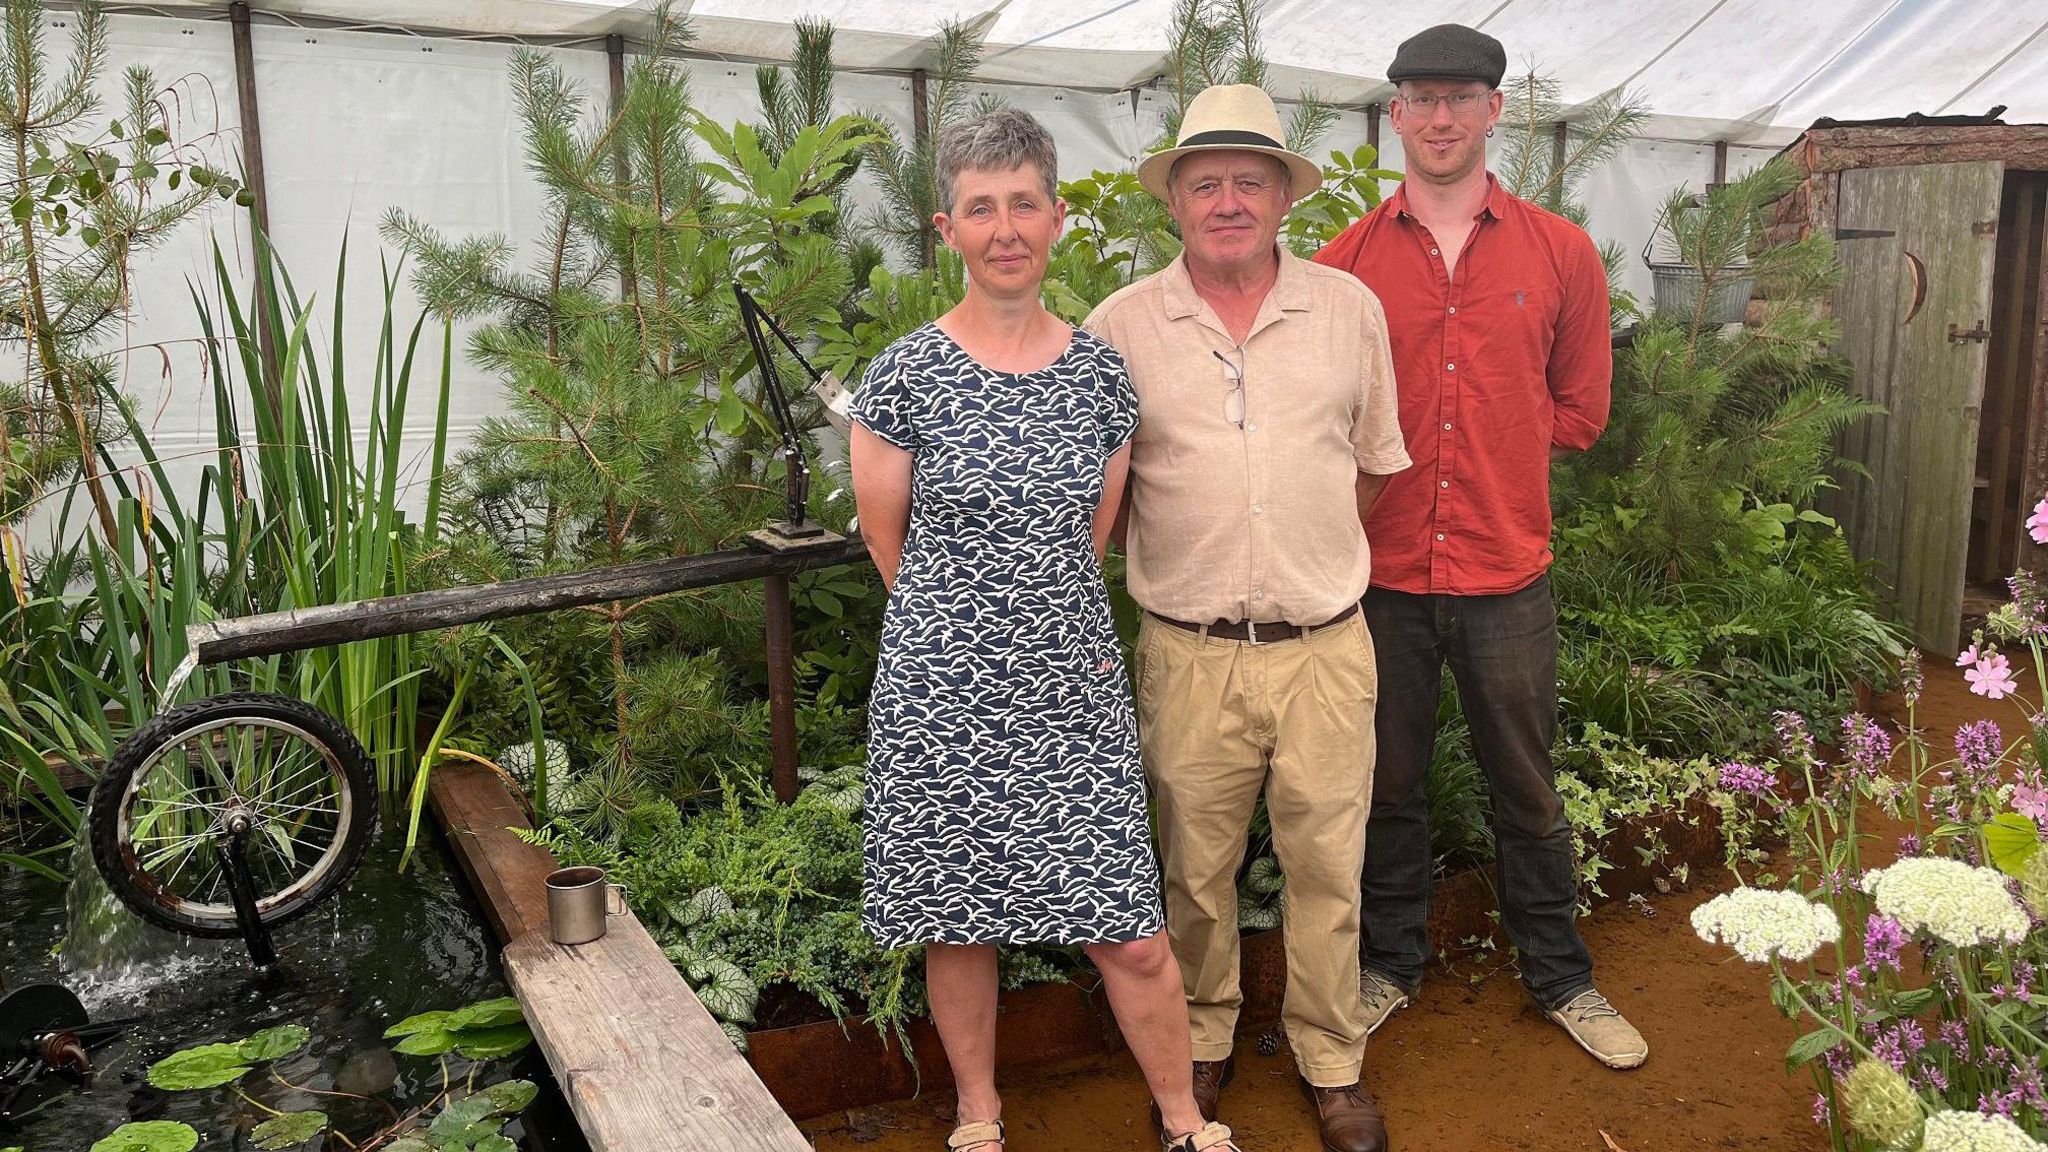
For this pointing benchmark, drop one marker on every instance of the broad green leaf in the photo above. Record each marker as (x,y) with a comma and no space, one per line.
(495,1143)
(732,413)
(207,1066)
(486,1014)
(2011,840)
(274,1043)
(429,1043)
(511,1097)
(457,1118)
(1809,1047)
(150,1136)
(408,1144)
(288,1131)
(492,1043)
(424,1022)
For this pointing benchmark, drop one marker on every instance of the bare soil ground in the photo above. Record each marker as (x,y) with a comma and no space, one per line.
(1475,1067)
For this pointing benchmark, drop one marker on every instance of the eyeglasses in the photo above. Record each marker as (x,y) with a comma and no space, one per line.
(1247,187)
(1459,103)
(1233,400)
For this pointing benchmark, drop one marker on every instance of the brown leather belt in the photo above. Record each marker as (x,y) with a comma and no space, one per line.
(1258,633)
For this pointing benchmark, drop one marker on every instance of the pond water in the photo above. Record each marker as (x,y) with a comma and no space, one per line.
(392,944)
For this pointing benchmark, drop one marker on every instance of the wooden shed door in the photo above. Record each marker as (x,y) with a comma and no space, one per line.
(1917,245)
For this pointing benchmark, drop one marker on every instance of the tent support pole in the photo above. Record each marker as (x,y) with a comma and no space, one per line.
(259,193)
(1372,129)
(622,173)
(923,130)
(1720,162)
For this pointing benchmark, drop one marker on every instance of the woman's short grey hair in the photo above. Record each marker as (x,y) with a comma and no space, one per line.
(1001,141)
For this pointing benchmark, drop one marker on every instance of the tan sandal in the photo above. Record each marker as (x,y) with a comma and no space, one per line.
(977,1134)
(1210,1137)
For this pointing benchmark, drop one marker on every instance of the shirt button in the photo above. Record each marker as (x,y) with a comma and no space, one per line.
(1444,484)
(1258,509)
(1258,594)
(1432,251)
(1447,427)
(1251,427)
(1439,535)
(1454,309)
(1450,367)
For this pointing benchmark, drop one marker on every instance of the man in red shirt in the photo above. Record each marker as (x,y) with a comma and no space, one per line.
(1498,316)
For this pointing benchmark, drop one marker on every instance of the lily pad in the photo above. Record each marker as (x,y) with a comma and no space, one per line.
(408,1144)
(150,1136)
(207,1066)
(288,1131)
(486,1014)
(511,1097)
(274,1043)
(458,1117)
(424,1022)
(492,1043)
(429,1042)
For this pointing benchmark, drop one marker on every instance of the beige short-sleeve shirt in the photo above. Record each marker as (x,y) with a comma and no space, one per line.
(1258,522)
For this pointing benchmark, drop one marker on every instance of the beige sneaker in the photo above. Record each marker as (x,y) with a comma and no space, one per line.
(1602,1031)
(1382,998)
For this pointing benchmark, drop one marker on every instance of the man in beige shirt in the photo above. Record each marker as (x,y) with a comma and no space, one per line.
(1266,427)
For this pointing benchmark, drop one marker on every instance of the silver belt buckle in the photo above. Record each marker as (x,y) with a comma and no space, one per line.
(1251,630)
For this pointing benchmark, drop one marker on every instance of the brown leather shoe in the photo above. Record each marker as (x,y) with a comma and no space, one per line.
(1211,1076)
(1346,1118)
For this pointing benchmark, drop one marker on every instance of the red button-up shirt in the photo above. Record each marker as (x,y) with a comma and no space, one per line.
(1493,366)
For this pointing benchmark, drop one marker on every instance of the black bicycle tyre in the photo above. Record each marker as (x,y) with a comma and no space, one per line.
(104,806)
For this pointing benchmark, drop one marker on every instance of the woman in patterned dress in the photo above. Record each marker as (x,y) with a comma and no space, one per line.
(1006,801)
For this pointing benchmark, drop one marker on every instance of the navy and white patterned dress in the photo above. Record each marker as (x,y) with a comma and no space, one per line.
(1005,795)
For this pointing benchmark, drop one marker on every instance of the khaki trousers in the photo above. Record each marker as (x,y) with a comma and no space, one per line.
(1218,721)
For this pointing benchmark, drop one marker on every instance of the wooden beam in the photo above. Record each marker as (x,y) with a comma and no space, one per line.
(478,816)
(259,194)
(294,629)
(2020,146)
(1372,127)
(644,1067)
(2034,468)
(1720,162)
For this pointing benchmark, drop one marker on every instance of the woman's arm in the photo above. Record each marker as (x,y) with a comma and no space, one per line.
(881,494)
(1109,513)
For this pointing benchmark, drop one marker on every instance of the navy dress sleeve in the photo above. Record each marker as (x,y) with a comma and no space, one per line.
(1119,410)
(886,402)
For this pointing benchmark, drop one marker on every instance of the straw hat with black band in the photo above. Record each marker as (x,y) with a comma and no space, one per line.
(1231,117)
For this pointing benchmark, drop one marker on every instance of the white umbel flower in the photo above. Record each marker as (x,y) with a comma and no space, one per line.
(1761,923)
(1949,900)
(1975,1132)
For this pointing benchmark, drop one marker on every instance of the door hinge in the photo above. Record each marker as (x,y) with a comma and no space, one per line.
(1958,335)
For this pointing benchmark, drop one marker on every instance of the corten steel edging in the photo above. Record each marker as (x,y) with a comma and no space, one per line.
(270,633)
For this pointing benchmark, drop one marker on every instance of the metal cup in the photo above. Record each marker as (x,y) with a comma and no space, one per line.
(578,902)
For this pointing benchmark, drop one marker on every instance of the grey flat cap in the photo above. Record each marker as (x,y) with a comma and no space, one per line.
(1449,52)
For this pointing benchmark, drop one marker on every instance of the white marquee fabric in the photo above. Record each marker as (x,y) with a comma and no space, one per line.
(416,113)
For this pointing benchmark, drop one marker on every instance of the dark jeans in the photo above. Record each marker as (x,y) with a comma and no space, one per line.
(1503,655)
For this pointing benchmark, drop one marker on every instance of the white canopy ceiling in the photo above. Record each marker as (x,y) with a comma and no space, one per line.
(1741,70)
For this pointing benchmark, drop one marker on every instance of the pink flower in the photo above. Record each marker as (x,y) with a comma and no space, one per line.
(1968,657)
(1992,677)
(2037,524)
(2030,799)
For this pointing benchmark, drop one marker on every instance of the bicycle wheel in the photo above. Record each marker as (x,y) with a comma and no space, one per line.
(288,773)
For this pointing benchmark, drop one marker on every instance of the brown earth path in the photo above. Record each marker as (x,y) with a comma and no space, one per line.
(1476,1068)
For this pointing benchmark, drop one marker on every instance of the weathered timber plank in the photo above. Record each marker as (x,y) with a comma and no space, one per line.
(642,1064)
(2023,146)
(1868,304)
(273,632)
(508,875)
(2001,445)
